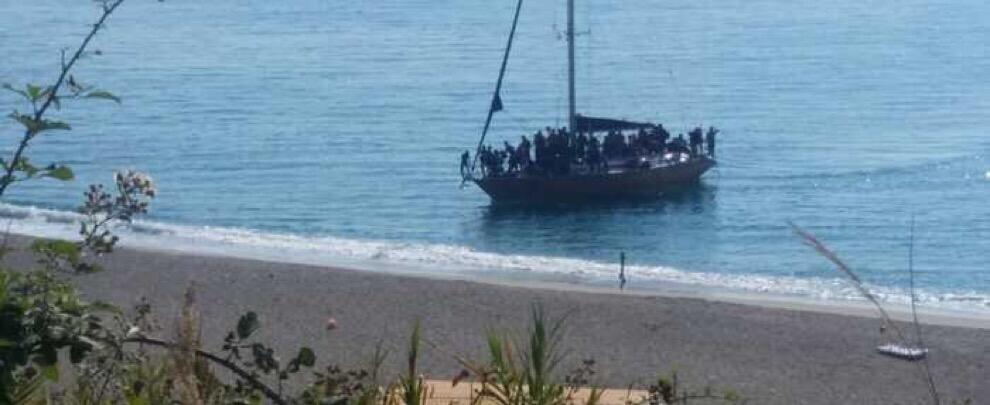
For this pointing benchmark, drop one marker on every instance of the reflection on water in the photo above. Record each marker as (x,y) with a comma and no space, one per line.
(647,230)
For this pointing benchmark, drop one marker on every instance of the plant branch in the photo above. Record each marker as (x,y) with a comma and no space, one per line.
(254,381)
(8,177)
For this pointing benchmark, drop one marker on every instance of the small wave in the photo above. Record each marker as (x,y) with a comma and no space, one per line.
(963,163)
(453,260)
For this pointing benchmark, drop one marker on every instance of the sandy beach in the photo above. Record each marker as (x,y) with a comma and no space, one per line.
(769,354)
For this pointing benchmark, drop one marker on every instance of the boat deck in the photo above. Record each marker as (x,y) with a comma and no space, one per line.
(641,179)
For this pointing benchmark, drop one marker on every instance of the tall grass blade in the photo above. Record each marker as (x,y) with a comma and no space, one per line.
(412,385)
(820,247)
(932,389)
(184,355)
(829,255)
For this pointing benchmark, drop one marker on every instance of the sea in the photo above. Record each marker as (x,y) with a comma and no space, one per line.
(329,132)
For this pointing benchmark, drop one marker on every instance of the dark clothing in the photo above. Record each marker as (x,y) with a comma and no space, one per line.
(695,139)
(678,145)
(593,155)
(662,137)
(510,154)
(523,152)
(710,140)
(540,145)
(465,158)
(557,151)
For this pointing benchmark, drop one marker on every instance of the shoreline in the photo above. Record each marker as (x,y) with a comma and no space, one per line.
(770,355)
(830,294)
(845,307)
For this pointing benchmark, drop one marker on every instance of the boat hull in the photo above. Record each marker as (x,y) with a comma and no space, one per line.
(626,184)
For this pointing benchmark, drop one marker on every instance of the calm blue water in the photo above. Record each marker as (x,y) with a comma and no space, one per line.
(335,127)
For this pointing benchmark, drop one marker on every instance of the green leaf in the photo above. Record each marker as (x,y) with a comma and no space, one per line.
(45,355)
(5,282)
(77,353)
(306,357)
(34,126)
(74,86)
(33,92)
(50,372)
(22,165)
(61,248)
(26,120)
(104,95)
(247,325)
(47,125)
(87,268)
(134,399)
(63,173)
(103,306)
(7,86)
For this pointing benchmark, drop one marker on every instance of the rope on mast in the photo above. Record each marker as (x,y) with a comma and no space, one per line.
(496,104)
(571,103)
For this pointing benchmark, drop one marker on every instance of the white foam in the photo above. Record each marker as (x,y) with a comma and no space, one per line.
(452,260)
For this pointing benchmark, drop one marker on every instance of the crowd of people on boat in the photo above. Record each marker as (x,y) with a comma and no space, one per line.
(557,151)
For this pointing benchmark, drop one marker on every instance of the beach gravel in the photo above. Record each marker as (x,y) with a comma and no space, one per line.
(769,355)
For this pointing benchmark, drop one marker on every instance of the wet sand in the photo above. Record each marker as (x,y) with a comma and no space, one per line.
(767,353)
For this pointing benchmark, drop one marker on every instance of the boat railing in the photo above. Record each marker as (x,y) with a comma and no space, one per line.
(611,166)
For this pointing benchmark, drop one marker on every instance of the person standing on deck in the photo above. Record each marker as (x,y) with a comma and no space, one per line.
(679,145)
(482,157)
(540,146)
(580,145)
(710,140)
(550,152)
(465,158)
(643,142)
(499,161)
(662,137)
(523,152)
(695,140)
(594,156)
(512,157)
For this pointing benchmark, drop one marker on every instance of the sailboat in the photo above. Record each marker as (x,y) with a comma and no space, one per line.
(638,175)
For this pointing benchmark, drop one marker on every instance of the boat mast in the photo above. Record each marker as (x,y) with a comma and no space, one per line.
(496,104)
(571,114)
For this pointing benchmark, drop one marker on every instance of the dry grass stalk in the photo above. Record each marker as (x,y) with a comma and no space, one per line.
(828,254)
(184,355)
(820,247)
